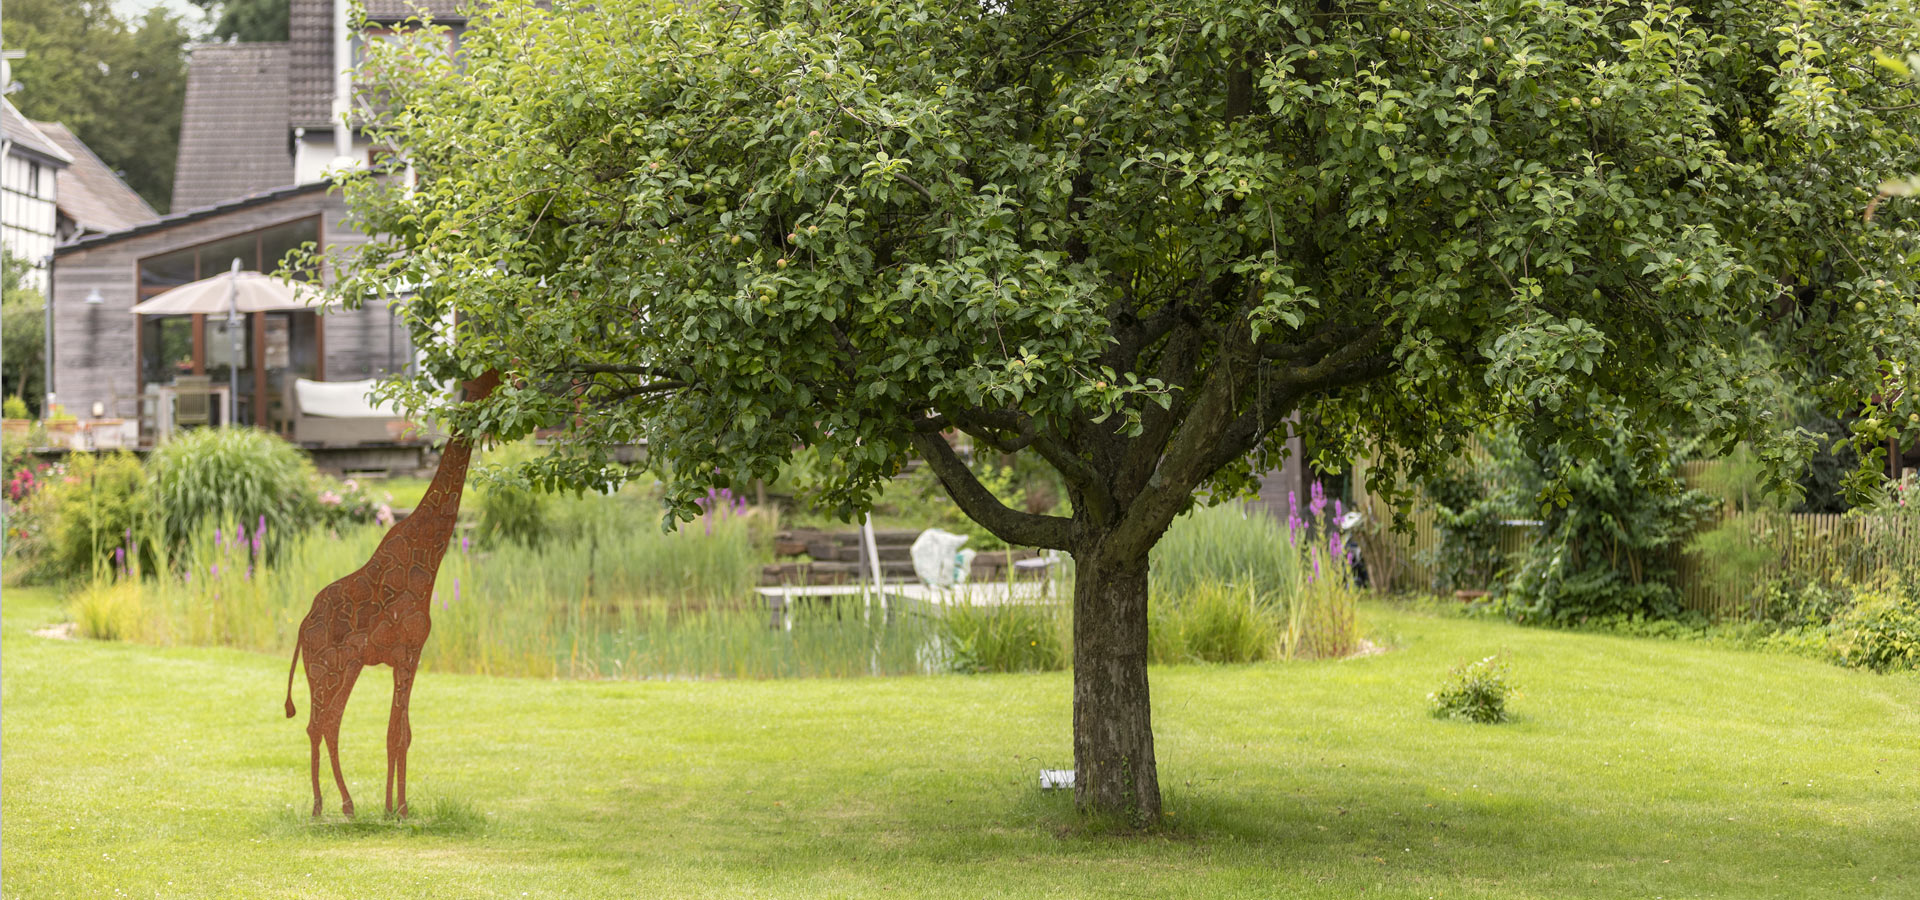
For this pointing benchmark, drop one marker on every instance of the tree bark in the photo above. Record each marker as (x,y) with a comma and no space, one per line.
(1112,720)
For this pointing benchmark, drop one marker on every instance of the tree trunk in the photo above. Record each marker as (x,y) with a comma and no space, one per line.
(1112,721)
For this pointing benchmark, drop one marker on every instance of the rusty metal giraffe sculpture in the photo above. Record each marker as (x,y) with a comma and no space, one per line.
(381,614)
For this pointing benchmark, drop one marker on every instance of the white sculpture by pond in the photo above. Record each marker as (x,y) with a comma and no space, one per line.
(939,560)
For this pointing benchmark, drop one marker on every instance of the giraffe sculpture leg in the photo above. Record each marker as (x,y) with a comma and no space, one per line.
(313,734)
(328,713)
(400,729)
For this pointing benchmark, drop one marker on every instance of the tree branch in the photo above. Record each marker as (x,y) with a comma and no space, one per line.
(980,505)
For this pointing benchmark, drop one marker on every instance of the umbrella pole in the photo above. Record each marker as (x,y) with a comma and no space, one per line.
(233,332)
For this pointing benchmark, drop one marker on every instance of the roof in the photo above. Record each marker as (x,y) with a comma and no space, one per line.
(310,45)
(398,10)
(310,71)
(88,192)
(233,128)
(18,129)
(189,215)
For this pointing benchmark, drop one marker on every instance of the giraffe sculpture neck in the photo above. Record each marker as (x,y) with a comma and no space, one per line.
(431,523)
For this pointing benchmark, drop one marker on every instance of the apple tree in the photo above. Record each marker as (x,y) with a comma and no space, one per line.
(1137,239)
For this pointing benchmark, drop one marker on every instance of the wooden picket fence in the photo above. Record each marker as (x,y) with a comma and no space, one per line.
(1827,549)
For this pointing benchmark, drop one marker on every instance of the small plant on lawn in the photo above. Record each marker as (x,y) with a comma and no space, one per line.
(1475,692)
(109,610)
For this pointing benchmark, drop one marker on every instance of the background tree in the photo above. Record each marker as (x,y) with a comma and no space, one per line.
(119,87)
(247,20)
(1131,238)
(22,335)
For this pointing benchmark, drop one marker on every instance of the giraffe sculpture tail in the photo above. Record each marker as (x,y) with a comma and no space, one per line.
(290,671)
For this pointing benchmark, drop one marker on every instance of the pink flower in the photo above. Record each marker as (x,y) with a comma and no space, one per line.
(383,515)
(351,485)
(329,498)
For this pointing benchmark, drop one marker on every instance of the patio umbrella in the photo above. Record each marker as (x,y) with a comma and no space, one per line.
(240,292)
(234,293)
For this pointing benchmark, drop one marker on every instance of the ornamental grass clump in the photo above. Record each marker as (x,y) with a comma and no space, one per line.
(213,476)
(1475,692)
(1321,606)
(1214,622)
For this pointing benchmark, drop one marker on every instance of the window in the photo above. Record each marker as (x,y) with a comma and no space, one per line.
(33,178)
(166,348)
(258,251)
(282,343)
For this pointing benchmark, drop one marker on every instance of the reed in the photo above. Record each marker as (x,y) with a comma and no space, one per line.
(623,599)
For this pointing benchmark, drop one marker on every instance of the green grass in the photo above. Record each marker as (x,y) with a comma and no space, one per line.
(406,491)
(1635,768)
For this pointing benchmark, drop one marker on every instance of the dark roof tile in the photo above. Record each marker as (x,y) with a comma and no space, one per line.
(397,10)
(310,63)
(179,215)
(233,131)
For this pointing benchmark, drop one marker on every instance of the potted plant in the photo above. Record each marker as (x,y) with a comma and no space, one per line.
(63,430)
(17,422)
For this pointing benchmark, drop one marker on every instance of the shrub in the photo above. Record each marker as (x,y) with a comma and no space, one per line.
(98,504)
(14,407)
(109,610)
(1215,622)
(1475,692)
(1467,516)
(212,476)
(1011,637)
(510,508)
(1608,547)
(344,504)
(1880,630)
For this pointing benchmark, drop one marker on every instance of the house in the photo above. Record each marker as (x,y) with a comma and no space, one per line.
(262,127)
(89,197)
(30,165)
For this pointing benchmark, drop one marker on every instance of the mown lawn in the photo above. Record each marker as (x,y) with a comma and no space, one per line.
(1637,769)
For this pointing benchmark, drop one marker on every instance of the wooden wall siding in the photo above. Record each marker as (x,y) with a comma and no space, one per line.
(1291,476)
(365,343)
(95,346)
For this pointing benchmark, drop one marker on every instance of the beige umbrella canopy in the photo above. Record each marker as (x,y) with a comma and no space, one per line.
(239,292)
(233,293)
